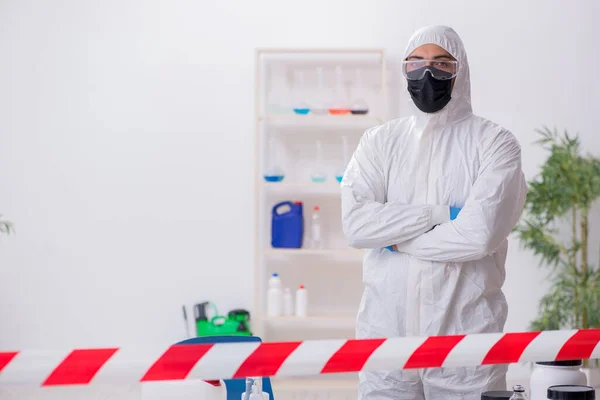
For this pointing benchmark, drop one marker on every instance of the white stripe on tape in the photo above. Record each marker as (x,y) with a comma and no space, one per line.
(32,367)
(222,360)
(128,365)
(596,351)
(309,358)
(471,350)
(546,345)
(393,353)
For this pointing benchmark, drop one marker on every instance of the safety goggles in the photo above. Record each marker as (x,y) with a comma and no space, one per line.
(439,69)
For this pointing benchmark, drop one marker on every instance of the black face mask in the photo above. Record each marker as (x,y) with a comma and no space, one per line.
(429,94)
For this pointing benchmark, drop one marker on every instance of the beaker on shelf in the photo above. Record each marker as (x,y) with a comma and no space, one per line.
(274,175)
(359,104)
(278,96)
(339,105)
(300,106)
(319,104)
(273,172)
(339,175)
(318,174)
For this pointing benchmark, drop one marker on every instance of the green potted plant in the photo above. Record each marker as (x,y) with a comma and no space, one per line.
(556,226)
(6,227)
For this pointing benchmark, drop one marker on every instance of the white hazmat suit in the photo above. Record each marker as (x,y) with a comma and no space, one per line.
(446,277)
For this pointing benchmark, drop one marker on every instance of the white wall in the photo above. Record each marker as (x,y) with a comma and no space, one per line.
(126,143)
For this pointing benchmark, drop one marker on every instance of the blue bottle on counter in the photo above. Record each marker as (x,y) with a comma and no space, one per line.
(287,225)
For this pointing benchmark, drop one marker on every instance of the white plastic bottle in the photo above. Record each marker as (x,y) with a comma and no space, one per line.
(301,301)
(274,296)
(288,302)
(315,229)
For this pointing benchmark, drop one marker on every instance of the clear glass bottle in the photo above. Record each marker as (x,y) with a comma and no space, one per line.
(339,105)
(359,104)
(340,172)
(518,393)
(316,241)
(318,174)
(300,106)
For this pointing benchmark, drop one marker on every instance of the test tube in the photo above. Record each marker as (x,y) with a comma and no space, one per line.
(339,175)
(318,174)
(273,172)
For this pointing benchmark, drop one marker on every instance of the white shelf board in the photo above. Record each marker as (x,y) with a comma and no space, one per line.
(314,321)
(344,253)
(322,120)
(331,188)
(332,50)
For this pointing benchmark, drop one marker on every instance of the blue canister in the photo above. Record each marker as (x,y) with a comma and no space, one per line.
(287,225)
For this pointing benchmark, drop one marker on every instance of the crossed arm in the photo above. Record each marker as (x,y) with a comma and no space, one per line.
(486,219)
(368,220)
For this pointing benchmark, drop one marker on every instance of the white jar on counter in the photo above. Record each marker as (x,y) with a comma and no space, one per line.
(546,374)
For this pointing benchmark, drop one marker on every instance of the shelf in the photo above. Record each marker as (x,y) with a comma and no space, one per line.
(315,321)
(358,255)
(322,120)
(284,50)
(331,188)
(293,148)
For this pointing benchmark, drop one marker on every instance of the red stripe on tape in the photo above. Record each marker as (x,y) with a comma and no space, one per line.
(580,345)
(6,357)
(509,348)
(79,367)
(352,356)
(266,359)
(176,362)
(433,352)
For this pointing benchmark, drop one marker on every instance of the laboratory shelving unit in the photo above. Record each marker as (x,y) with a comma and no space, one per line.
(332,275)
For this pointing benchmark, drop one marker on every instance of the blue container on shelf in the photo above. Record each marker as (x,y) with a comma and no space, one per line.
(287,225)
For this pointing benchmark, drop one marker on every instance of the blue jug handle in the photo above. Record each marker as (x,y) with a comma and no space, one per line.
(283,203)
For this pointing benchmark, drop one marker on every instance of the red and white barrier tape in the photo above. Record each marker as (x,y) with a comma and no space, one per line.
(308,358)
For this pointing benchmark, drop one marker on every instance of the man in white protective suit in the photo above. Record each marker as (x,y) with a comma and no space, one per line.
(434,197)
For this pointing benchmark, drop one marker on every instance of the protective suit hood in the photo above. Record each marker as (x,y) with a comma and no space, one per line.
(459,106)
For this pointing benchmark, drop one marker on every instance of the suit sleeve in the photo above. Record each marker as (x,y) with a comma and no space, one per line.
(489,214)
(368,220)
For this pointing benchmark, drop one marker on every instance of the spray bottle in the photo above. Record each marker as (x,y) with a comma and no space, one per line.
(254,390)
